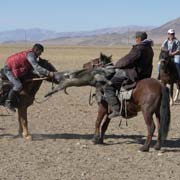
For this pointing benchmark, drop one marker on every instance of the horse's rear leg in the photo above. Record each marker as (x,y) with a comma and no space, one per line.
(151,128)
(176,95)
(171,94)
(102,111)
(158,144)
(23,124)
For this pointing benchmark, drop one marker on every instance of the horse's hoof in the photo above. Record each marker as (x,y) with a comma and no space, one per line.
(157,146)
(28,137)
(144,149)
(97,140)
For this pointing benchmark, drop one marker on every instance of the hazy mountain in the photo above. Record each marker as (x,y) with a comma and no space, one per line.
(106,36)
(160,33)
(27,34)
(37,34)
(118,36)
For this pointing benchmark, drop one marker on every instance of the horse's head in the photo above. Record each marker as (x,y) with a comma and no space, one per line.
(101,61)
(104,60)
(165,61)
(47,65)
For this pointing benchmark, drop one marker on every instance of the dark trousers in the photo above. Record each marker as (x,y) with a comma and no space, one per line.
(110,92)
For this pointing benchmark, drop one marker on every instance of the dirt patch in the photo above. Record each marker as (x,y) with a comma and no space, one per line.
(62,129)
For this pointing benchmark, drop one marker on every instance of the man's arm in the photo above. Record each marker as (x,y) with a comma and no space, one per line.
(177,50)
(37,68)
(128,60)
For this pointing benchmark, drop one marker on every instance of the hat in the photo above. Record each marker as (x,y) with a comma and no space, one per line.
(142,34)
(171,31)
(39,47)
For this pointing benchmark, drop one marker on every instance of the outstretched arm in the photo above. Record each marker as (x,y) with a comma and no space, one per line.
(37,68)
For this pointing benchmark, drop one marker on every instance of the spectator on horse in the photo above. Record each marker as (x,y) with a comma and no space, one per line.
(136,65)
(172,44)
(21,64)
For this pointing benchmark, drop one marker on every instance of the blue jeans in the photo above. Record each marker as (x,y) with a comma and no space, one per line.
(17,85)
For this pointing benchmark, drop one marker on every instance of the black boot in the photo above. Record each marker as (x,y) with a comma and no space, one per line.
(8,103)
(110,95)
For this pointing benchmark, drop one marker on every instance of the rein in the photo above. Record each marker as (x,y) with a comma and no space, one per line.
(41,79)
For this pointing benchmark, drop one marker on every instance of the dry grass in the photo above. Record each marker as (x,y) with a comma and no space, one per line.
(65,58)
(63,126)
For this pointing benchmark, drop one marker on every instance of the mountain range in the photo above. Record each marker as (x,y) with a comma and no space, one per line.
(106,36)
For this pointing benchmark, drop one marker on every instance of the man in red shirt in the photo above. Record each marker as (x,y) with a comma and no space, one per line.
(21,64)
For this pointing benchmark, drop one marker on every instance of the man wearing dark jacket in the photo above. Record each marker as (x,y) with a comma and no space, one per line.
(136,65)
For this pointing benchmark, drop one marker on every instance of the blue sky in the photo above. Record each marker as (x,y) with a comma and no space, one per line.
(75,15)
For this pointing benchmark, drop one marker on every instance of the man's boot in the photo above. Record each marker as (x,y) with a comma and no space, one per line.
(114,102)
(8,103)
(110,96)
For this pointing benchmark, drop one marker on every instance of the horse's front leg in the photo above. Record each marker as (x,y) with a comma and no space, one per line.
(177,93)
(102,111)
(151,128)
(23,124)
(104,127)
(171,94)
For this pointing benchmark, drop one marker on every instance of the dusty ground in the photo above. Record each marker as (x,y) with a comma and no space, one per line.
(63,127)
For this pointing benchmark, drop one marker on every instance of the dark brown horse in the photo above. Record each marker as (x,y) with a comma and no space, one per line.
(149,96)
(26,97)
(168,73)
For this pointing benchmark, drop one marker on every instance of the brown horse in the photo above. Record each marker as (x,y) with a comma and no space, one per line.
(149,96)
(26,97)
(168,72)
(98,62)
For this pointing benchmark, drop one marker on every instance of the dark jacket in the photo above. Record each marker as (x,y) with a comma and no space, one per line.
(138,63)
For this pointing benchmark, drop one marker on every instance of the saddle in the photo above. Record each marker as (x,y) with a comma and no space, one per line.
(128,108)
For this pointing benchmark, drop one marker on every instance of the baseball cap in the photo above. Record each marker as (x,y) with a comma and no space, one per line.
(171,31)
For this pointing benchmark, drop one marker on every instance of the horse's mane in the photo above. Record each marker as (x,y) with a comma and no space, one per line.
(46,64)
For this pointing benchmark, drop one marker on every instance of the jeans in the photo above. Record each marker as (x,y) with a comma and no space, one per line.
(17,85)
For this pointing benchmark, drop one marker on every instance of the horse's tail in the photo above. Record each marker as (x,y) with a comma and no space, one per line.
(164,113)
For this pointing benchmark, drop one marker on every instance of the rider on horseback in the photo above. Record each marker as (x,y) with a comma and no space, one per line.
(134,66)
(21,64)
(172,44)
